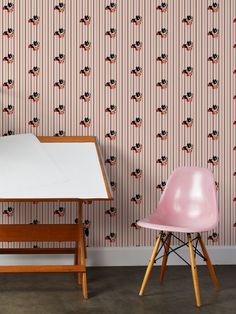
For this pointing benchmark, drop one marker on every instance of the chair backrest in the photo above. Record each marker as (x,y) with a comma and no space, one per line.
(189,199)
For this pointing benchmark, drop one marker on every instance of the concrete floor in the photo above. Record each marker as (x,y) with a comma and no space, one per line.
(115,290)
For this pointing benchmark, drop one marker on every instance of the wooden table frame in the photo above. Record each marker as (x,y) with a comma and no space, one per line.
(53,233)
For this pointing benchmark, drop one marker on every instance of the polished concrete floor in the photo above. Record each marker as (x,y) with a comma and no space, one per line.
(115,290)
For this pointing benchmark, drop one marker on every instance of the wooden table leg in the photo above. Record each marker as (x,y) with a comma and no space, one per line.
(194,271)
(81,251)
(165,257)
(208,262)
(150,264)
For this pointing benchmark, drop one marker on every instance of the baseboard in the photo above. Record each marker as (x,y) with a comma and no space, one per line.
(117,256)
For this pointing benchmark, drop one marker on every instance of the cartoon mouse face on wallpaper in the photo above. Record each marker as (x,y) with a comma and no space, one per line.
(9,58)
(60,7)
(111,161)
(9,7)
(112,109)
(86,20)
(34,20)
(9,109)
(137,173)
(162,7)
(111,7)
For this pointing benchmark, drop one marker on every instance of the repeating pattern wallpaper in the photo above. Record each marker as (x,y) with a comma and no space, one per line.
(153,80)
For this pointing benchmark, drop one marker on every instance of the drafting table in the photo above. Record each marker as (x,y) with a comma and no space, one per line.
(68,168)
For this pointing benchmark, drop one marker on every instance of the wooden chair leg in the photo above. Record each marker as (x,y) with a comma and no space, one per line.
(194,271)
(150,264)
(209,264)
(165,257)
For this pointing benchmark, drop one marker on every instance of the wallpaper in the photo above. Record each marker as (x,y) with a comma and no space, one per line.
(153,80)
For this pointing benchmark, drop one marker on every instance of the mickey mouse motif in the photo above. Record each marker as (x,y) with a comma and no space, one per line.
(34,71)
(35,45)
(111,33)
(163,7)
(86,122)
(137,20)
(9,211)
(135,225)
(163,58)
(163,160)
(60,133)
(214,84)
(111,7)
(162,135)
(111,84)
(34,122)
(9,58)
(86,45)
(9,7)
(137,199)
(163,84)
(188,148)
(111,212)
(161,186)
(137,122)
(214,58)
(188,122)
(188,71)
(60,212)
(214,135)
(137,173)
(111,237)
(9,84)
(60,58)
(137,148)
(9,33)
(112,109)
(113,186)
(188,45)
(86,20)
(60,32)
(137,96)
(111,58)
(162,109)
(214,160)
(8,133)
(214,7)
(35,96)
(60,109)
(60,7)
(214,33)
(111,135)
(188,96)
(163,32)
(111,161)
(214,109)
(9,109)
(214,237)
(60,84)
(137,71)
(188,20)
(86,97)
(34,20)
(86,71)
(137,45)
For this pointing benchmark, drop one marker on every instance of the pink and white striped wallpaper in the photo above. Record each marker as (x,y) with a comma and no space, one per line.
(153,80)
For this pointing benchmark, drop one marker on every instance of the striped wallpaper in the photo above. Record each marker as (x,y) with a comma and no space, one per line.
(153,80)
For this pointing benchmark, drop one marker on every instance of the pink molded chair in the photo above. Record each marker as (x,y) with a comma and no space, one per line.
(188,205)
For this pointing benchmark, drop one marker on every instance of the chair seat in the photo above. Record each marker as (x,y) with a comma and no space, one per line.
(150,224)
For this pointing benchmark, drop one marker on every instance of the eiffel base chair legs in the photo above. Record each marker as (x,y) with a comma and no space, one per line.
(165,243)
